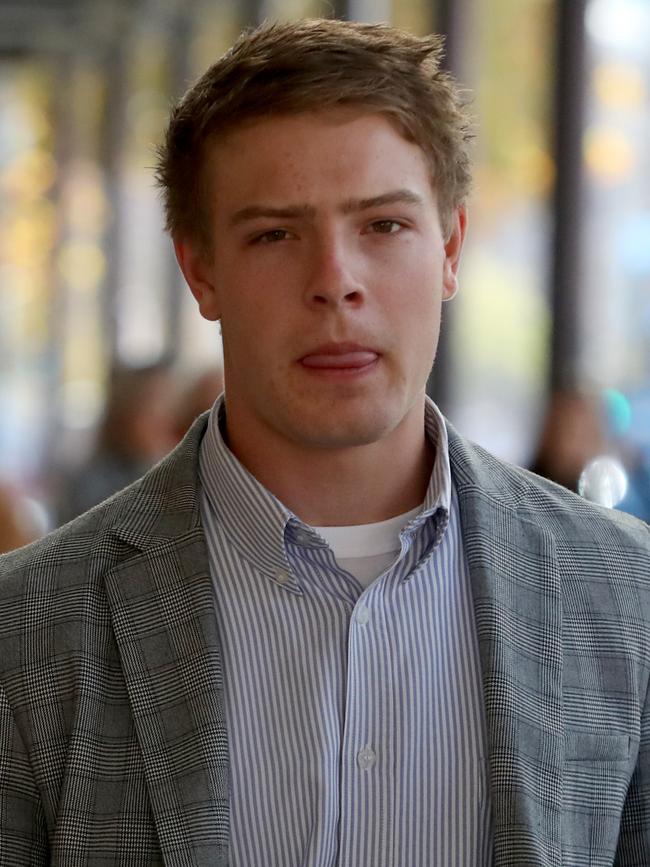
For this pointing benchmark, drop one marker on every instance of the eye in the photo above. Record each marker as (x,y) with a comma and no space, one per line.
(385,227)
(272,236)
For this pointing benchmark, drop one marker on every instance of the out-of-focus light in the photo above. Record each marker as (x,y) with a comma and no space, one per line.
(640,432)
(218,27)
(618,410)
(609,154)
(603,481)
(17,125)
(29,175)
(36,516)
(620,24)
(147,114)
(82,404)
(633,244)
(15,281)
(149,125)
(620,85)
(536,169)
(30,236)
(82,265)
(85,201)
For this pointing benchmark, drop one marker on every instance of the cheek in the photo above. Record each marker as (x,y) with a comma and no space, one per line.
(419,304)
(249,332)
(419,321)
(418,270)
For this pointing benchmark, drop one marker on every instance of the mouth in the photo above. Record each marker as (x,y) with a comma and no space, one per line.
(340,359)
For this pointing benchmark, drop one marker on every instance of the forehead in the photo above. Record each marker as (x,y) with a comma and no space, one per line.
(313,153)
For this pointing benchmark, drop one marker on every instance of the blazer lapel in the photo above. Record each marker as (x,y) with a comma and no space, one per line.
(517,602)
(162,608)
(163,614)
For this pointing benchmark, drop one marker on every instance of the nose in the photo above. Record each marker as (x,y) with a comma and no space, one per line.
(334,276)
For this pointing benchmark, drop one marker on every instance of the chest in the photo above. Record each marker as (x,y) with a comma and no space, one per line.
(355,717)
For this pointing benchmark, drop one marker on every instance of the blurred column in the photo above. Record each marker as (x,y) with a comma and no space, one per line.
(450,22)
(252,12)
(370,11)
(568,197)
(180,30)
(113,131)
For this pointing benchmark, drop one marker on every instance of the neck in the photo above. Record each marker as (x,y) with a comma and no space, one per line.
(343,487)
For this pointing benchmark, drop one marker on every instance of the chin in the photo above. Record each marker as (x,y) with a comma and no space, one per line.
(344,432)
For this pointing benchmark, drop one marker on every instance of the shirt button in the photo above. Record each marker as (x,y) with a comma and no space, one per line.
(366,758)
(303,538)
(362,615)
(282,576)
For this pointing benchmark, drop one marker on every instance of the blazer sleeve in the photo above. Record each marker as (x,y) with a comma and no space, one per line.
(23,832)
(634,838)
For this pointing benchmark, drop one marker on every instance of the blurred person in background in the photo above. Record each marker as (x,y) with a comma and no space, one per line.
(327,629)
(136,431)
(580,450)
(18,525)
(197,395)
(636,499)
(573,433)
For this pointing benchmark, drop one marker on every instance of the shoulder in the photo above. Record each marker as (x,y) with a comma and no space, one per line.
(569,518)
(160,506)
(76,553)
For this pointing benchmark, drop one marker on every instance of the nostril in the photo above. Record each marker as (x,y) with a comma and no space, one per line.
(335,295)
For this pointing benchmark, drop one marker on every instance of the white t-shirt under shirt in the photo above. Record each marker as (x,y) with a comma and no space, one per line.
(367,550)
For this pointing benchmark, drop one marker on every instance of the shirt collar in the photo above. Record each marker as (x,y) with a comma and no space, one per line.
(251,516)
(439,490)
(257,523)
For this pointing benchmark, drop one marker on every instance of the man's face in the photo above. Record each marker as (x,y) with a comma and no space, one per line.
(328,273)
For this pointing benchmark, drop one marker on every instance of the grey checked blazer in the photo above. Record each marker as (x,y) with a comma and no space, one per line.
(113,743)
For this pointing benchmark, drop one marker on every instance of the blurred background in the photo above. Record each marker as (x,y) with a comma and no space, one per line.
(104,360)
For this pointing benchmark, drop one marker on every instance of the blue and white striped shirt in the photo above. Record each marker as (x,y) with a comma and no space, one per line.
(355,717)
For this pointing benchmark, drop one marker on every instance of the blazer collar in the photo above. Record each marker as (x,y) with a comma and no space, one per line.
(517,602)
(164,504)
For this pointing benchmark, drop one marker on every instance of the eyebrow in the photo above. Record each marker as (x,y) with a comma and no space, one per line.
(255,212)
(407,197)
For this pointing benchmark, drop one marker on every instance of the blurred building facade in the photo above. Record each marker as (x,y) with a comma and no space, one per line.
(555,283)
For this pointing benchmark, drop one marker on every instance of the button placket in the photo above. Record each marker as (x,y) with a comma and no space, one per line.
(365,767)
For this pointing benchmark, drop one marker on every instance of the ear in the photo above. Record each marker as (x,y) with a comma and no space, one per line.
(199,276)
(453,249)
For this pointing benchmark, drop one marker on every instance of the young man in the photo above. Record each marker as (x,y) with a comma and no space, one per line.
(326,630)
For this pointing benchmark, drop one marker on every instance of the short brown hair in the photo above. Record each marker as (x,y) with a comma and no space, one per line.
(287,68)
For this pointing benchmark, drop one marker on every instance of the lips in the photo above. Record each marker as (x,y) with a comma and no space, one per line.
(339,356)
